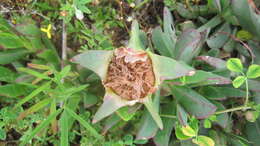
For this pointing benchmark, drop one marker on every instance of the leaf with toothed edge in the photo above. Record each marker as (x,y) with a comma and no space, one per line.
(95,60)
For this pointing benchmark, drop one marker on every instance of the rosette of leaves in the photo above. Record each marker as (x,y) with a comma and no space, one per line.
(131,74)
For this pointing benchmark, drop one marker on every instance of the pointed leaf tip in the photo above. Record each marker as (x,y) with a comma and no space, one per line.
(95,60)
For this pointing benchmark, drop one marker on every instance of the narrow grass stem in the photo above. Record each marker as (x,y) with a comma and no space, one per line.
(168,116)
(247,93)
(233,109)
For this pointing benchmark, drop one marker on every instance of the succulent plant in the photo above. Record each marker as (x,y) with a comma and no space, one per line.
(131,74)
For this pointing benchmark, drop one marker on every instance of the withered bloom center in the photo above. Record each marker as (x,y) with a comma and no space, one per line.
(130,74)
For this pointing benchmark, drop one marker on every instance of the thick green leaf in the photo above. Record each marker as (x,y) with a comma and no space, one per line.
(95,60)
(205,78)
(7,75)
(84,123)
(218,39)
(188,45)
(9,56)
(213,61)
(43,125)
(163,136)
(235,65)
(165,41)
(246,16)
(223,120)
(13,90)
(8,40)
(253,71)
(153,110)
(212,93)
(31,33)
(182,115)
(238,81)
(149,127)
(111,103)
(136,41)
(166,68)
(253,132)
(219,138)
(210,24)
(162,42)
(193,103)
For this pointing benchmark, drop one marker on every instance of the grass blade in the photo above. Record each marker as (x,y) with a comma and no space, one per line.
(64,141)
(44,124)
(34,93)
(84,123)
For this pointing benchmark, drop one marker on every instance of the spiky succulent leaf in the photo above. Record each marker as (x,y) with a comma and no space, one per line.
(112,102)
(95,60)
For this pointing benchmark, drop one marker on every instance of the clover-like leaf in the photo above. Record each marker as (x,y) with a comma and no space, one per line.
(253,71)
(203,141)
(238,81)
(235,65)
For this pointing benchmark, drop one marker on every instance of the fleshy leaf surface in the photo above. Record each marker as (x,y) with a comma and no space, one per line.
(111,103)
(193,102)
(95,60)
(166,68)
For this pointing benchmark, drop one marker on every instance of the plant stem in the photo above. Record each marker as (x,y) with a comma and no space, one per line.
(233,109)
(169,116)
(247,93)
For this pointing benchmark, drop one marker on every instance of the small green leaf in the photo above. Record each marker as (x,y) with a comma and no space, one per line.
(203,141)
(188,131)
(84,123)
(2,134)
(125,114)
(253,71)
(179,134)
(207,123)
(213,118)
(238,81)
(43,125)
(244,35)
(235,65)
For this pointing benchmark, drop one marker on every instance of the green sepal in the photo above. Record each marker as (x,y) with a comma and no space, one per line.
(112,103)
(152,109)
(166,68)
(95,60)
(137,38)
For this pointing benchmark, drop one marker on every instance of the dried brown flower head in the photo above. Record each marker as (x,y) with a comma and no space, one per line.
(130,74)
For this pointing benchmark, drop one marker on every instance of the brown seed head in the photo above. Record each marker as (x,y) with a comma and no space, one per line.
(130,74)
